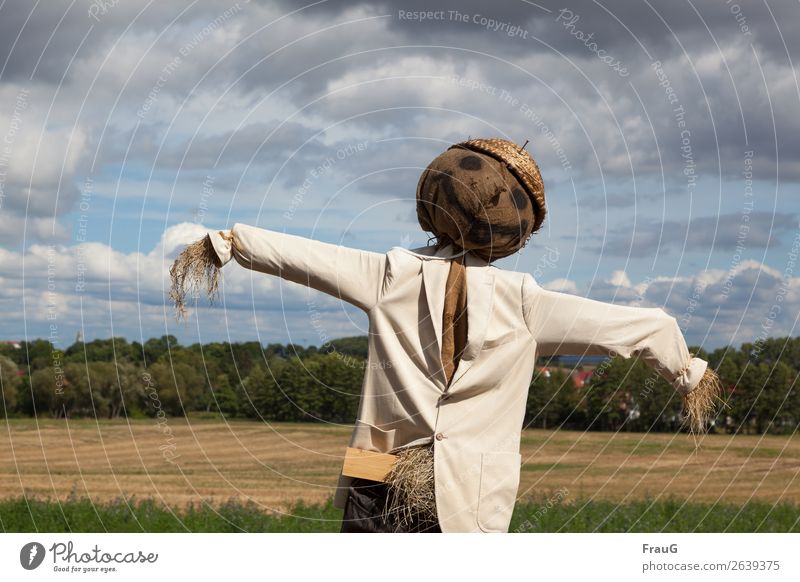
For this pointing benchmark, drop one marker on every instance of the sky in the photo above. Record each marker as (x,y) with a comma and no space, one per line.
(666,132)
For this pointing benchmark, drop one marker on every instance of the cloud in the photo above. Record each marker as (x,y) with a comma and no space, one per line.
(39,162)
(615,23)
(288,86)
(726,232)
(100,289)
(95,288)
(714,307)
(563,285)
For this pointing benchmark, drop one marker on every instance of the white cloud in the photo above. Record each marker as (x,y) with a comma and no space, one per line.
(95,285)
(564,285)
(747,302)
(620,279)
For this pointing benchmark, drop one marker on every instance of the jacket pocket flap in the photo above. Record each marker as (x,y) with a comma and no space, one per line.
(502,339)
(372,438)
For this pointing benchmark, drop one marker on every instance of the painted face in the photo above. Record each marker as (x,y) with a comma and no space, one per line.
(473,200)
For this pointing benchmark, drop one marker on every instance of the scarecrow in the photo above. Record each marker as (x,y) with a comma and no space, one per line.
(436,444)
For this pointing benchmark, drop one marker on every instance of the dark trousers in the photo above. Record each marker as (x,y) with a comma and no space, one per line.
(362,513)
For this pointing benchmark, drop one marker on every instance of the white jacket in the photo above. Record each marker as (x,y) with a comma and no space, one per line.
(475,423)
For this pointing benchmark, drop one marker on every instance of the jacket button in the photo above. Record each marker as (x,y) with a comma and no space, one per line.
(439,436)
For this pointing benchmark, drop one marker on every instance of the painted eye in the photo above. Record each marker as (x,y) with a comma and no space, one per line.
(519,197)
(471,163)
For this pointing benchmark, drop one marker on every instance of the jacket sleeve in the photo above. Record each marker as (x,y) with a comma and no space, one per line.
(353,275)
(564,324)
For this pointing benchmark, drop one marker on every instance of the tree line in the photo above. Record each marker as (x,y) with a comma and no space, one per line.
(111,378)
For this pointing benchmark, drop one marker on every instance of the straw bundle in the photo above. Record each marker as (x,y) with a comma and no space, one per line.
(196,267)
(700,405)
(411,498)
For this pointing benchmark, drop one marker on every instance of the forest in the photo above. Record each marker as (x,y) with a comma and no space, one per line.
(112,378)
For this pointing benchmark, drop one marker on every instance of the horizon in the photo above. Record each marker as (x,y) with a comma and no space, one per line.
(569,357)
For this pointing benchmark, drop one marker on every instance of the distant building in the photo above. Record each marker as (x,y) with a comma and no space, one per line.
(14,344)
(582,377)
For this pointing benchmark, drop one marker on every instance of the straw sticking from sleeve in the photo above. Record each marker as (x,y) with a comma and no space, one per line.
(196,267)
(700,405)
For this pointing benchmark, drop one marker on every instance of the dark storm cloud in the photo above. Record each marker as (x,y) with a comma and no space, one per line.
(613,23)
(40,39)
(47,33)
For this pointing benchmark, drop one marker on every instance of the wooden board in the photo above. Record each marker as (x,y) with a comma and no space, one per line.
(367,464)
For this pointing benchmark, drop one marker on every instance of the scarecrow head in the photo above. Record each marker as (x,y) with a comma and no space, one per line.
(482,195)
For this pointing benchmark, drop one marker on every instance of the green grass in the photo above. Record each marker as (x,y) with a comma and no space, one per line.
(132,515)
(671,515)
(148,515)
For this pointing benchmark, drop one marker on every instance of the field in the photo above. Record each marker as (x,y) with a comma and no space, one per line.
(201,469)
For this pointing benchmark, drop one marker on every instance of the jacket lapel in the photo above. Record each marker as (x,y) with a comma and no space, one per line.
(480,294)
(434,278)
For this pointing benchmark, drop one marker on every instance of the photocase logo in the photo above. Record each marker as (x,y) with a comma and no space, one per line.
(31,555)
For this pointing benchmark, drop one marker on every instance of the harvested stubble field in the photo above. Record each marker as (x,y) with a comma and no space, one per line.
(277,465)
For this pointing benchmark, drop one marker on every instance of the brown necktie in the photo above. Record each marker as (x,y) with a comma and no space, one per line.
(454,317)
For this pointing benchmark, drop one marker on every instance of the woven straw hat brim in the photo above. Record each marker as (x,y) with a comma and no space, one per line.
(520,163)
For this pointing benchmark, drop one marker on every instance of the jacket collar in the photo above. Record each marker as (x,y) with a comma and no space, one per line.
(480,295)
(446,252)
